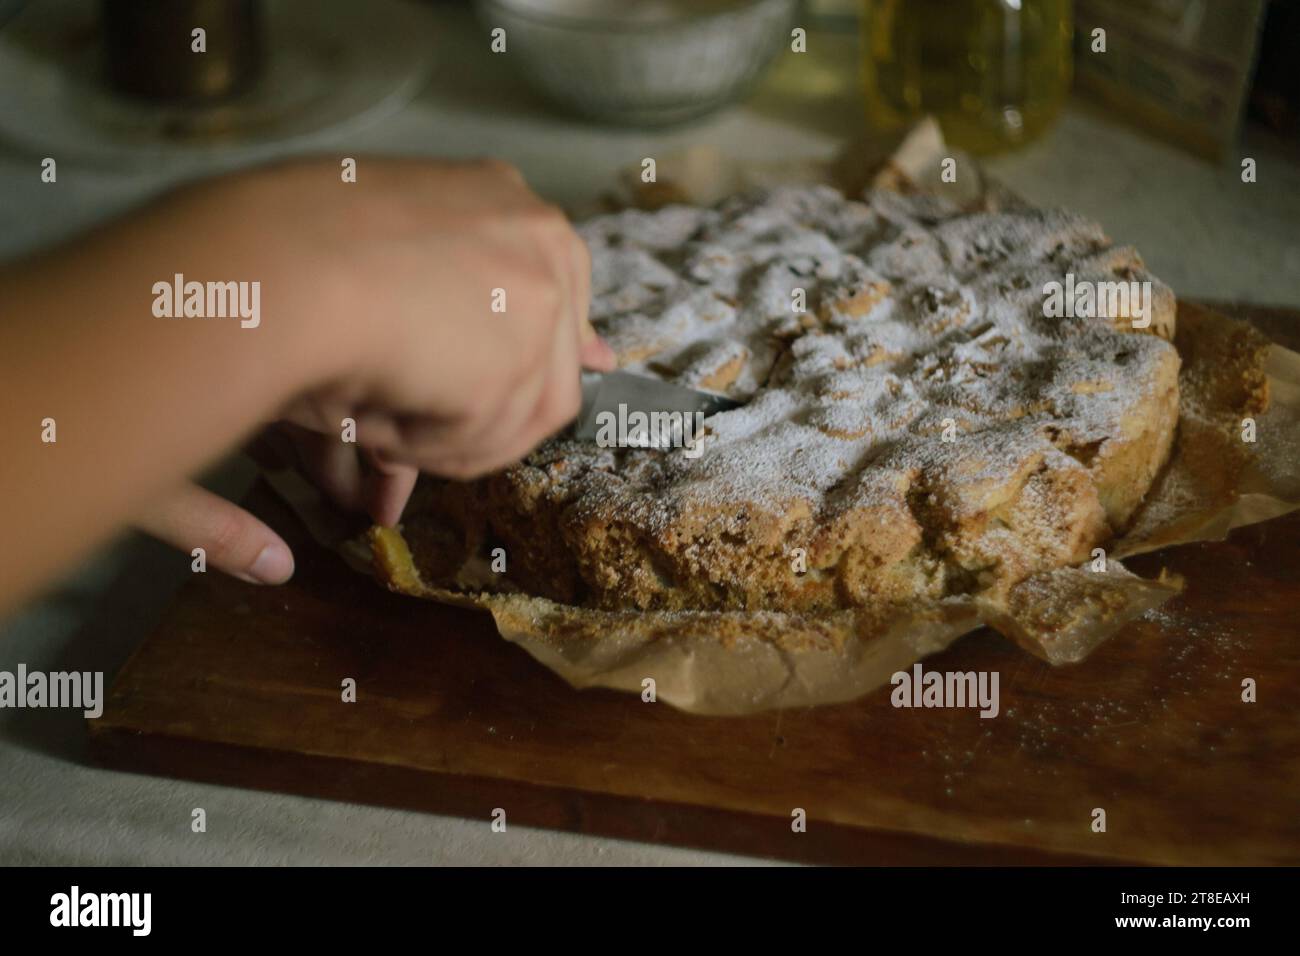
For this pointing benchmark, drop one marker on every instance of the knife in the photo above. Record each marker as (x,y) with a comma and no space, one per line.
(605,392)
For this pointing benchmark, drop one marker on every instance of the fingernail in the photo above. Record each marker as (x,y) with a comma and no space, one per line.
(274,565)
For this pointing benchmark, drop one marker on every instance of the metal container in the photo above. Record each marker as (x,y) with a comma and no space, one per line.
(149,48)
(644,64)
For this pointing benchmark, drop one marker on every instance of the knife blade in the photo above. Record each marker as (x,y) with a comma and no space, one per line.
(621,393)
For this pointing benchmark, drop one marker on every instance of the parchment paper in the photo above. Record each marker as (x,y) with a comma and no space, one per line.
(737,662)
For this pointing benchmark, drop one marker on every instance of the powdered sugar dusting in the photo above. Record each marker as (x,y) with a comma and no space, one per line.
(952,338)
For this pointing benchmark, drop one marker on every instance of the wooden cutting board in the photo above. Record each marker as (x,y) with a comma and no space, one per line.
(242,685)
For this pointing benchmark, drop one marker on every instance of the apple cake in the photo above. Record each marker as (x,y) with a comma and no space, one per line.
(917,423)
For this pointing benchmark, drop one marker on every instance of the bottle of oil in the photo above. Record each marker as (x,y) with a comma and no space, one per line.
(993,72)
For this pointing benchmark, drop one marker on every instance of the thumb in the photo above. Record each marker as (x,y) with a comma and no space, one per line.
(235,542)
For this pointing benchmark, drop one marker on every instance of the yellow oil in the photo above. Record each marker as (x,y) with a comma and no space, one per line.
(993,72)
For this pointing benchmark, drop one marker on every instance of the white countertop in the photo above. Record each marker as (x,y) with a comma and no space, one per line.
(1198,226)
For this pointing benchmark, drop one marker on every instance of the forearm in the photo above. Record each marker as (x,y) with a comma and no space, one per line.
(134,401)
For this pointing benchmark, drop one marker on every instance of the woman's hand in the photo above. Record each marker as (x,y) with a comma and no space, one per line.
(460,300)
(441,307)
(433,377)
